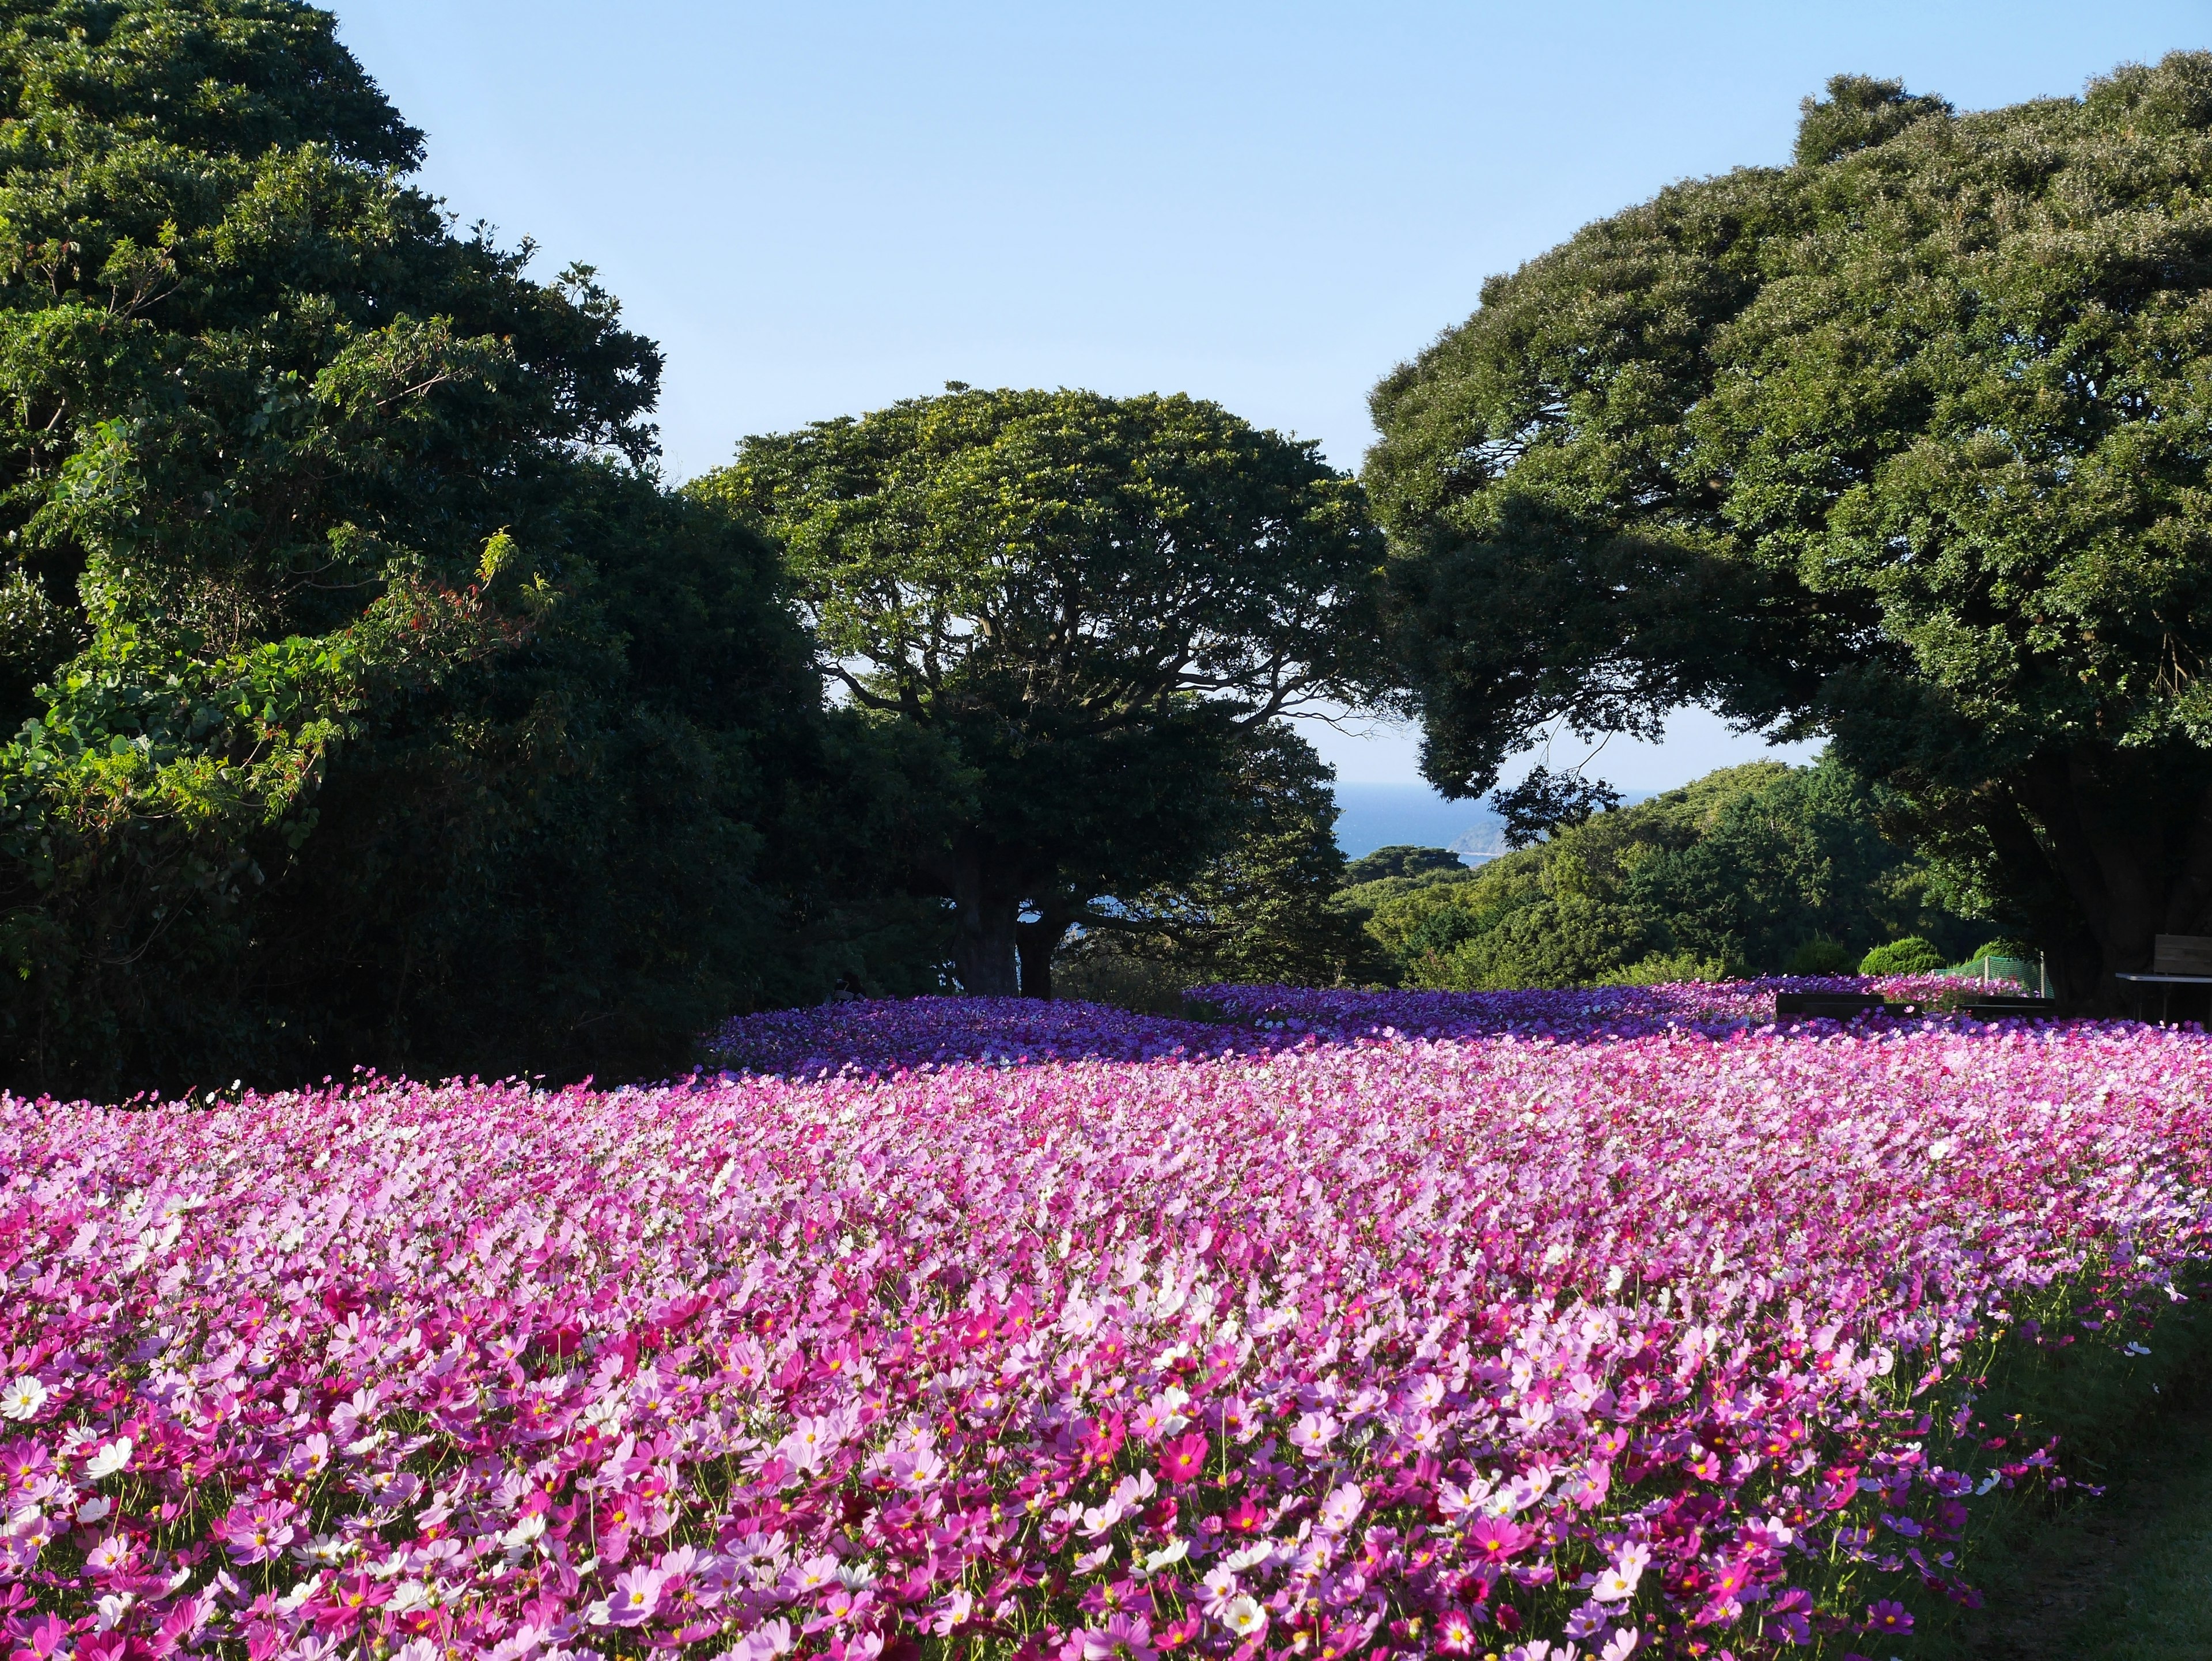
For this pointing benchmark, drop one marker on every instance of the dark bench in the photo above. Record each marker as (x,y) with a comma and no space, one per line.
(1834,1006)
(1999,1008)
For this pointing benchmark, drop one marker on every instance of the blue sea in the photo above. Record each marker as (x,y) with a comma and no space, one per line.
(1372,816)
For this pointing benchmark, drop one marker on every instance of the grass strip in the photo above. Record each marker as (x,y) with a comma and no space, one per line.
(2119,1576)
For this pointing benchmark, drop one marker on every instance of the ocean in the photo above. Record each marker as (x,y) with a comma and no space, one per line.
(1372,816)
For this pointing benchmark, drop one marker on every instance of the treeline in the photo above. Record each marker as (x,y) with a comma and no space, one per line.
(1759,869)
(375,699)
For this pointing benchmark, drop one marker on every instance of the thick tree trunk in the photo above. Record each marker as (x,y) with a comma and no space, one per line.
(1036,942)
(986,911)
(2123,841)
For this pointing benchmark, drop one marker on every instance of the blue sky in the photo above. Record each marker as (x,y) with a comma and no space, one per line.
(818,208)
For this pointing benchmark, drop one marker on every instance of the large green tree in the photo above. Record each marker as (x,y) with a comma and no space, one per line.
(1908,442)
(372,701)
(1088,601)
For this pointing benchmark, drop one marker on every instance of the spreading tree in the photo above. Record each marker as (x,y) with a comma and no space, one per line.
(1907,443)
(1090,603)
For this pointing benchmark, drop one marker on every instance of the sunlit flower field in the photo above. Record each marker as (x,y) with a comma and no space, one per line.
(1543,1325)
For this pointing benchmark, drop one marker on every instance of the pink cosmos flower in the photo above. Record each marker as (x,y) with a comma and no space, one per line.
(917,1469)
(111,1556)
(635,1598)
(1785,1617)
(1184,1459)
(1496,1539)
(1729,1580)
(42,1638)
(257,1532)
(21,1462)
(1123,1638)
(1618,1581)
(550,1279)
(1342,1508)
(951,1613)
(352,1600)
(1157,1417)
(1456,1632)
(309,1454)
(810,1438)
(1888,1615)
(773,1637)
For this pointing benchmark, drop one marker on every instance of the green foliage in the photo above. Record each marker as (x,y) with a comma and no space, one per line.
(1909,956)
(1754,869)
(372,701)
(1267,908)
(1663,969)
(1858,113)
(1400,860)
(1544,803)
(1088,604)
(1904,444)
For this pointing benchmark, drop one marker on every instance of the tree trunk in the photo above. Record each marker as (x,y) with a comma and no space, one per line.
(1036,942)
(986,912)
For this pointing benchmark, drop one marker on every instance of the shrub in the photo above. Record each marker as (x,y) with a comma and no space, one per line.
(1910,956)
(1821,956)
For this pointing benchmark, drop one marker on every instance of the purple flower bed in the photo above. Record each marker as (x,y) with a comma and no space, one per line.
(1399,1346)
(886,1035)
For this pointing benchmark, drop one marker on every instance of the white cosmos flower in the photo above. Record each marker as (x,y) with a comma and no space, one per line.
(1155,1561)
(22,1398)
(93,1509)
(291,1601)
(1243,1616)
(1613,1586)
(109,1460)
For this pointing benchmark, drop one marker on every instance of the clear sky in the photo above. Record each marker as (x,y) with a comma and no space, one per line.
(818,208)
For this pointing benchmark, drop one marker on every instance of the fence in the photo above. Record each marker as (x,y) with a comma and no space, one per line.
(2027,974)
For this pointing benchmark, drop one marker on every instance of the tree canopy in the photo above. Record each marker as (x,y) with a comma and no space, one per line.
(1088,603)
(373,701)
(1905,443)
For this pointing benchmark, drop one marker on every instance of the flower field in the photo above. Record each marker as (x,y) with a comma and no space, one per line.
(1538,1324)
